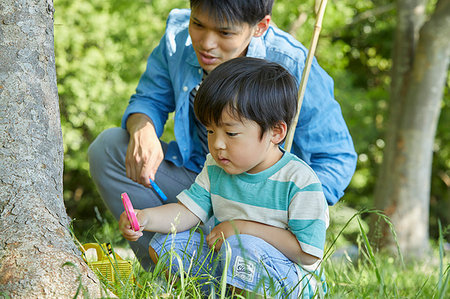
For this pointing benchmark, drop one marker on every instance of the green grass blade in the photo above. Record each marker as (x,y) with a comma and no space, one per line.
(223,280)
(372,258)
(441,255)
(328,251)
(182,275)
(442,292)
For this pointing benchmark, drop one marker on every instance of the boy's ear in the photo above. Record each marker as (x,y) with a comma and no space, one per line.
(279,132)
(262,26)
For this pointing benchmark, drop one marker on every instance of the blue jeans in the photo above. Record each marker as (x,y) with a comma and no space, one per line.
(254,265)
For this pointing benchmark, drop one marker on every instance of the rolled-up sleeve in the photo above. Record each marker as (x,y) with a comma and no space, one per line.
(154,95)
(322,138)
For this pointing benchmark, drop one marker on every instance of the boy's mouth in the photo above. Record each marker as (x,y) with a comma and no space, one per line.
(223,160)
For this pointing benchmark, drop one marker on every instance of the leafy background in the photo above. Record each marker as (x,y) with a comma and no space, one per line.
(101,51)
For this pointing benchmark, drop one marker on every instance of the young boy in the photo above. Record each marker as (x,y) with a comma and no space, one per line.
(271,198)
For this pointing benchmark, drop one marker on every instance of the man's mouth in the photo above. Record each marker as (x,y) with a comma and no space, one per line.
(207,58)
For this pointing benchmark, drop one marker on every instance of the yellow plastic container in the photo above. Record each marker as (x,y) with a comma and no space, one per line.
(109,265)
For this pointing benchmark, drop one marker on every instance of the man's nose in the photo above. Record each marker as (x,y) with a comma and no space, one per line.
(209,41)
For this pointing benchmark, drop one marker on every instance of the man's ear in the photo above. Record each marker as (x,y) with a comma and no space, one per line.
(262,26)
(279,132)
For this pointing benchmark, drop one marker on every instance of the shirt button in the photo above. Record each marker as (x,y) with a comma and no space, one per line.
(174,157)
(185,88)
(199,71)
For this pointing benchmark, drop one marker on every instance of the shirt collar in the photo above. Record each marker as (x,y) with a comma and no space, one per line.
(256,48)
(192,57)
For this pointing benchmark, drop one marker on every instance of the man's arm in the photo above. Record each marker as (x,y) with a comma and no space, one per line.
(146,115)
(282,239)
(322,138)
(144,152)
(154,94)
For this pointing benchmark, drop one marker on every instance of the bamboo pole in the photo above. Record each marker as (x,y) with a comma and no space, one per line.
(304,80)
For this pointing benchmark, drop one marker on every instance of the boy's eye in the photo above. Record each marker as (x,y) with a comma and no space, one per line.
(209,131)
(231,134)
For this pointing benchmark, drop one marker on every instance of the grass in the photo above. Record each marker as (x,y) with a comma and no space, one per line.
(368,275)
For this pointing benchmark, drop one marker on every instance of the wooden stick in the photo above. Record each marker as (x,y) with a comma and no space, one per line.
(304,80)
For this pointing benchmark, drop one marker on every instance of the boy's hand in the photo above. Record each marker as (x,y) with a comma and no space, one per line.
(125,226)
(221,231)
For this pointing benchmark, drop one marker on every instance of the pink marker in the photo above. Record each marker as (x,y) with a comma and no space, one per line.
(130,211)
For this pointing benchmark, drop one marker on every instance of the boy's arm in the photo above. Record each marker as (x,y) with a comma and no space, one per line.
(282,239)
(162,219)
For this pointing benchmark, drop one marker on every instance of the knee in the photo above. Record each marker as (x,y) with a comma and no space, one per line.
(107,139)
(107,148)
(162,244)
(185,243)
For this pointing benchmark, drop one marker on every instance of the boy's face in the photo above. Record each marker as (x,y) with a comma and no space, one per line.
(236,145)
(216,43)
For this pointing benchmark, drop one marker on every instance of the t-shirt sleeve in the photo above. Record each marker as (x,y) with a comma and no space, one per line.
(308,215)
(198,197)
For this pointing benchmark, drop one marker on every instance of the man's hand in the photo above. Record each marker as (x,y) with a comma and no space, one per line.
(126,229)
(144,152)
(221,231)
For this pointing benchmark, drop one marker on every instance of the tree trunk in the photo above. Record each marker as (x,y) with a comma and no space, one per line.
(35,241)
(421,59)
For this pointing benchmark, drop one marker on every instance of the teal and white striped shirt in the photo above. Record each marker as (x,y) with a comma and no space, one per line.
(287,195)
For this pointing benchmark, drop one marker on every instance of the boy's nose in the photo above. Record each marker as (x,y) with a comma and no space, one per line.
(218,144)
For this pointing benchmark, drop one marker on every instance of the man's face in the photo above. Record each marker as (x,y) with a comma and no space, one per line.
(216,43)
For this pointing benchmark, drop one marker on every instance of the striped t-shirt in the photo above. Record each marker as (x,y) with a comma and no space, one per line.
(287,195)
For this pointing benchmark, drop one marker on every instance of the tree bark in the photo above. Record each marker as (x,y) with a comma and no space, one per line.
(35,241)
(420,65)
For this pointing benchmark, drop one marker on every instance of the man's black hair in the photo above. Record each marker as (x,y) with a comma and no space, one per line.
(235,11)
(250,88)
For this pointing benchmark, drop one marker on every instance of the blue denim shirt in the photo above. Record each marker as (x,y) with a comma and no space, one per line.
(321,139)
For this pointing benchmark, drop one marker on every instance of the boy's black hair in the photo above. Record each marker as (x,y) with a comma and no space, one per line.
(251,88)
(235,11)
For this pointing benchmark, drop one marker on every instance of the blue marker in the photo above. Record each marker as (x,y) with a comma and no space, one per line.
(158,190)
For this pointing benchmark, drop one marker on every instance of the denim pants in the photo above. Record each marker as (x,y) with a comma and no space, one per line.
(248,262)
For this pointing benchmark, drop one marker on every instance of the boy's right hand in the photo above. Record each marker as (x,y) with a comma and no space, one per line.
(126,229)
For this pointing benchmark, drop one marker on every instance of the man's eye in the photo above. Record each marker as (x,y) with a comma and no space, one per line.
(231,134)
(197,24)
(209,131)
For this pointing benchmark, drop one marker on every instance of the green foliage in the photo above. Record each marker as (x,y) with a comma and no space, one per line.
(102,48)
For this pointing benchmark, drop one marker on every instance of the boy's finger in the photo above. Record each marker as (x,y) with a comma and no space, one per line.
(131,234)
(218,244)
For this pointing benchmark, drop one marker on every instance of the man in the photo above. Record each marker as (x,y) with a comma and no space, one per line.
(195,42)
